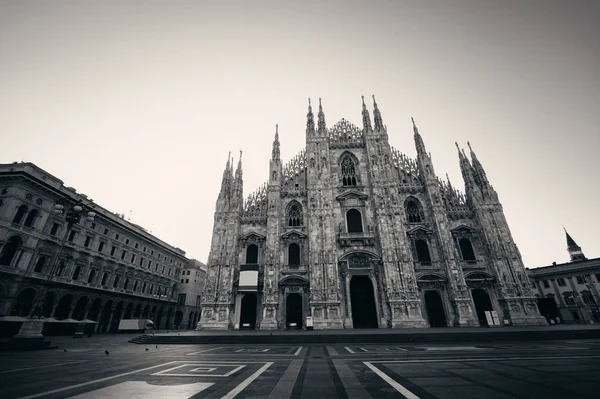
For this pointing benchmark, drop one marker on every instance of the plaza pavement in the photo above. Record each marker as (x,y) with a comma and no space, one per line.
(80,368)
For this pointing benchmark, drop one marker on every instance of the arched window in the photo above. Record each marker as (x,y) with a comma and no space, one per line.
(294,255)
(144,287)
(20,213)
(39,265)
(354,221)
(135,285)
(30,221)
(104,279)
(414,212)
(61,268)
(10,250)
(116,282)
(126,283)
(294,215)
(348,171)
(252,254)
(91,276)
(466,249)
(151,289)
(76,273)
(422,249)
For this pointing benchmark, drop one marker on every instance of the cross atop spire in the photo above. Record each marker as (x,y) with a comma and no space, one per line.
(377,116)
(310,120)
(321,123)
(366,117)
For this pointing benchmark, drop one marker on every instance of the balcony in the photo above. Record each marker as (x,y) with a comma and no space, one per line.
(471,264)
(365,239)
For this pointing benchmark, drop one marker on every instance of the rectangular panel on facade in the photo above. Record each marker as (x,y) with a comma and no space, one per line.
(248,281)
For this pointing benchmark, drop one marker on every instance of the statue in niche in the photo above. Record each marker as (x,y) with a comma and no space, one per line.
(274,175)
(312,162)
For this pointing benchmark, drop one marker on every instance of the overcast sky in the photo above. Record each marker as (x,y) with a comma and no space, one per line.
(137,103)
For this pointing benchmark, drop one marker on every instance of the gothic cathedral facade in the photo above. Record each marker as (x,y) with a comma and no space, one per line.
(352,233)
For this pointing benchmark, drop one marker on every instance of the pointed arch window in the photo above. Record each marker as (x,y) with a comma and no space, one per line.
(252,254)
(354,221)
(21,211)
(30,220)
(104,279)
(294,255)
(422,249)
(10,250)
(349,175)
(414,211)
(91,276)
(60,269)
(466,250)
(294,215)
(126,285)
(116,282)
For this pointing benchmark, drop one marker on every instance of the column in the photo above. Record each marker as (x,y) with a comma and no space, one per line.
(348,320)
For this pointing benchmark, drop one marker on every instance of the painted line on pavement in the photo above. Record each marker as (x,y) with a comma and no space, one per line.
(83,384)
(41,367)
(332,351)
(286,383)
(235,391)
(398,387)
(354,389)
(298,351)
(204,351)
(483,359)
(349,350)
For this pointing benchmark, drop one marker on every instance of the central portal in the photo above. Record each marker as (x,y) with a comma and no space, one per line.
(248,312)
(364,311)
(435,309)
(293,312)
(482,304)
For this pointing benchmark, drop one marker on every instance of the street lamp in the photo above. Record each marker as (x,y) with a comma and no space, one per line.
(73,216)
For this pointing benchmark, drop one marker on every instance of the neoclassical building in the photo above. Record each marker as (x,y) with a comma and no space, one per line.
(101,270)
(355,233)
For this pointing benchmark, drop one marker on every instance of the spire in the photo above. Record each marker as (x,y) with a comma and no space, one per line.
(275,154)
(574,250)
(377,116)
(321,123)
(226,181)
(465,167)
(418,139)
(238,172)
(310,120)
(480,175)
(366,117)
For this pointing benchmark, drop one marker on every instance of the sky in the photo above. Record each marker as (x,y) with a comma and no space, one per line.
(137,103)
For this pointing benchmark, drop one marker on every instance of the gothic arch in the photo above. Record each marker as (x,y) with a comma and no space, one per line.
(294,214)
(429,276)
(21,211)
(478,276)
(293,280)
(349,172)
(10,250)
(354,221)
(414,210)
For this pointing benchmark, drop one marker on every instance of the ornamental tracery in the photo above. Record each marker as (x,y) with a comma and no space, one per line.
(348,166)
(294,215)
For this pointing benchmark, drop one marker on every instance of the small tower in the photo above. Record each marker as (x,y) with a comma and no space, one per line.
(377,117)
(322,127)
(366,117)
(310,121)
(574,250)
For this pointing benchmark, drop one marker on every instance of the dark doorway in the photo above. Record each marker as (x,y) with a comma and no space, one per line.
(252,254)
(248,312)
(293,311)
(435,309)
(482,304)
(364,312)
(294,255)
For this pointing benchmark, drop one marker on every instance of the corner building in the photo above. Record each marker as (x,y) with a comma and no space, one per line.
(355,234)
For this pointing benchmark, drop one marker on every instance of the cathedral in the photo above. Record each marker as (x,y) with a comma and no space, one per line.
(353,233)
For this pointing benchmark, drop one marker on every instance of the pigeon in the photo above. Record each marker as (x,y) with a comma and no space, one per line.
(64,350)
(106,352)
(157,346)
(147,349)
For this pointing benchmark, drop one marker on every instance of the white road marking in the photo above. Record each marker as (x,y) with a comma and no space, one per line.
(137,389)
(349,350)
(402,349)
(112,377)
(252,350)
(298,351)
(40,367)
(363,349)
(204,351)
(448,348)
(332,351)
(235,391)
(398,387)
(483,359)
(204,369)
(234,369)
